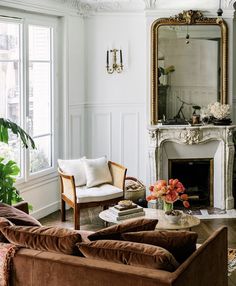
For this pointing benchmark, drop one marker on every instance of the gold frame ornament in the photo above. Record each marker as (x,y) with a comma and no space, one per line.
(190,17)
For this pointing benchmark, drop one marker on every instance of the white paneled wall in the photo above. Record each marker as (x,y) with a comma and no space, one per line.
(119,132)
(76,131)
(115,106)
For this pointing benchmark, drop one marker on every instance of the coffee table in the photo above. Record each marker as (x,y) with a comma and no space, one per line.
(186,222)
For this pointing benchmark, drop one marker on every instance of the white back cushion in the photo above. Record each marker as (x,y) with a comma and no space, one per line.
(74,167)
(97,171)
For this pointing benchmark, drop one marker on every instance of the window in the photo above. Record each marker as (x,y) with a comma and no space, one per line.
(27,90)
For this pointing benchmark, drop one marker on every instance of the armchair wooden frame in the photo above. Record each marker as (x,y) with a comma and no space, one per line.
(68,192)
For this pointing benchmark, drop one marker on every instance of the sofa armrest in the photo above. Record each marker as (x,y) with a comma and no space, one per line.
(22,206)
(207,265)
(118,174)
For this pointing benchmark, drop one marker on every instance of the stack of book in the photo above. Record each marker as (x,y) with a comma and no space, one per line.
(122,212)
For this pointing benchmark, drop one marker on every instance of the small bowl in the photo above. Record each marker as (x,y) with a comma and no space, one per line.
(173,217)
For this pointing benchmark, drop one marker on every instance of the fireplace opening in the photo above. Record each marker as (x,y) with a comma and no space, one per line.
(197,178)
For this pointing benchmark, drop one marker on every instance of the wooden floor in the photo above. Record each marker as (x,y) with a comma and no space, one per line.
(204,230)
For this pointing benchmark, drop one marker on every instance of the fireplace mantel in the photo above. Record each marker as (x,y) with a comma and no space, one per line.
(207,141)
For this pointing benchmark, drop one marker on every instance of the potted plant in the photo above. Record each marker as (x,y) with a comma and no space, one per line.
(8,168)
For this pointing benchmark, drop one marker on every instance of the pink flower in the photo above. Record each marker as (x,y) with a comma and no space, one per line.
(171,197)
(186,204)
(170,193)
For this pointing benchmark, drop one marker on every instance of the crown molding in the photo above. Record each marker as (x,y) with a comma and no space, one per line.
(92,7)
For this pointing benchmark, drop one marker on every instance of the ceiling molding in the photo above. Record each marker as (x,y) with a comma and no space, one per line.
(91,7)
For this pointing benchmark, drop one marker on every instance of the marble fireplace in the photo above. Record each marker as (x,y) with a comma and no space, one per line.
(209,142)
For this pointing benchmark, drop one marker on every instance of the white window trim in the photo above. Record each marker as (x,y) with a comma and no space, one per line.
(27,18)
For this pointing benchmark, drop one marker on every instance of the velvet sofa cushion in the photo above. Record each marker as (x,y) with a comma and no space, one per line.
(114,232)
(52,239)
(180,243)
(16,216)
(130,253)
(3,223)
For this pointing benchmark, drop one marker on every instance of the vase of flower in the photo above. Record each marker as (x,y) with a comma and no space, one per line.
(169,192)
(167,206)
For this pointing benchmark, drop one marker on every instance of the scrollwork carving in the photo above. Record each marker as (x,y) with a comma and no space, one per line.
(190,17)
(190,136)
(152,134)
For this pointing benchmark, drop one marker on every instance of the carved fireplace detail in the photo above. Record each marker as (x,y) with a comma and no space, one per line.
(183,142)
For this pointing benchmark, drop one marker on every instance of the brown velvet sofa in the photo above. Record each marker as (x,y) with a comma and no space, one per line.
(205,267)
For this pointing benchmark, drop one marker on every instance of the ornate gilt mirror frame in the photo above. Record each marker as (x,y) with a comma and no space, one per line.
(187,18)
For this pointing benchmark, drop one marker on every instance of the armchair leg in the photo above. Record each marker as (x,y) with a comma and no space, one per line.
(63,210)
(77,218)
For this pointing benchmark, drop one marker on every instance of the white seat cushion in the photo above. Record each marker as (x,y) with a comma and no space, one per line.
(97,194)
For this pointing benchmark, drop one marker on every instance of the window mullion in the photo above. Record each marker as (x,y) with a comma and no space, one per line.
(25,104)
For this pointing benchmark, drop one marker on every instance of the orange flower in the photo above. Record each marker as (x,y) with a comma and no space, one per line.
(170,193)
(171,197)
(150,197)
(151,188)
(184,197)
(160,184)
(186,204)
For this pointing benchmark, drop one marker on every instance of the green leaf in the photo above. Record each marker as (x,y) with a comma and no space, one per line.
(6,124)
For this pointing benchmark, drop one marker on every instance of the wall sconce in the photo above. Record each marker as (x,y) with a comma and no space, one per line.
(118,67)
(219,12)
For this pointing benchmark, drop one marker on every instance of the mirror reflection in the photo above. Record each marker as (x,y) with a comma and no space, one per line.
(189,69)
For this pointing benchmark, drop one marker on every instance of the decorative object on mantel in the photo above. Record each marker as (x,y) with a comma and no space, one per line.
(115,66)
(196,114)
(168,193)
(220,113)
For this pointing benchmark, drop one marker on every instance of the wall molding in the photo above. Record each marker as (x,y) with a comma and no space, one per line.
(76,128)
(132,140)
(122,104)
(95,119)
(46,210)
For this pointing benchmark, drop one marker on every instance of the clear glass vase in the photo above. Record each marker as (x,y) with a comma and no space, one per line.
(167,206)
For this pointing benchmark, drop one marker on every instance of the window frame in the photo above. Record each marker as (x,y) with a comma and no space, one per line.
(25,19)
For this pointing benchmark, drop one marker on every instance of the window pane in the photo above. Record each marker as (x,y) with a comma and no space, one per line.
(10,91)
(9,41)
(40,158)
(39,43)
(39,98)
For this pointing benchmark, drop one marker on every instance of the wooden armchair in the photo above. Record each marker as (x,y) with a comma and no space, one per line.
(83,197)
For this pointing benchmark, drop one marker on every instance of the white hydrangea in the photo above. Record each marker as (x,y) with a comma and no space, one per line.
(219,110)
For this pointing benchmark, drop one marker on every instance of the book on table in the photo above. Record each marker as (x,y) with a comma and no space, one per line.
(118,212)
(127,216)
(123,208)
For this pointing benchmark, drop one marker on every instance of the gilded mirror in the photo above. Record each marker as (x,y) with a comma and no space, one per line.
(188,65)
